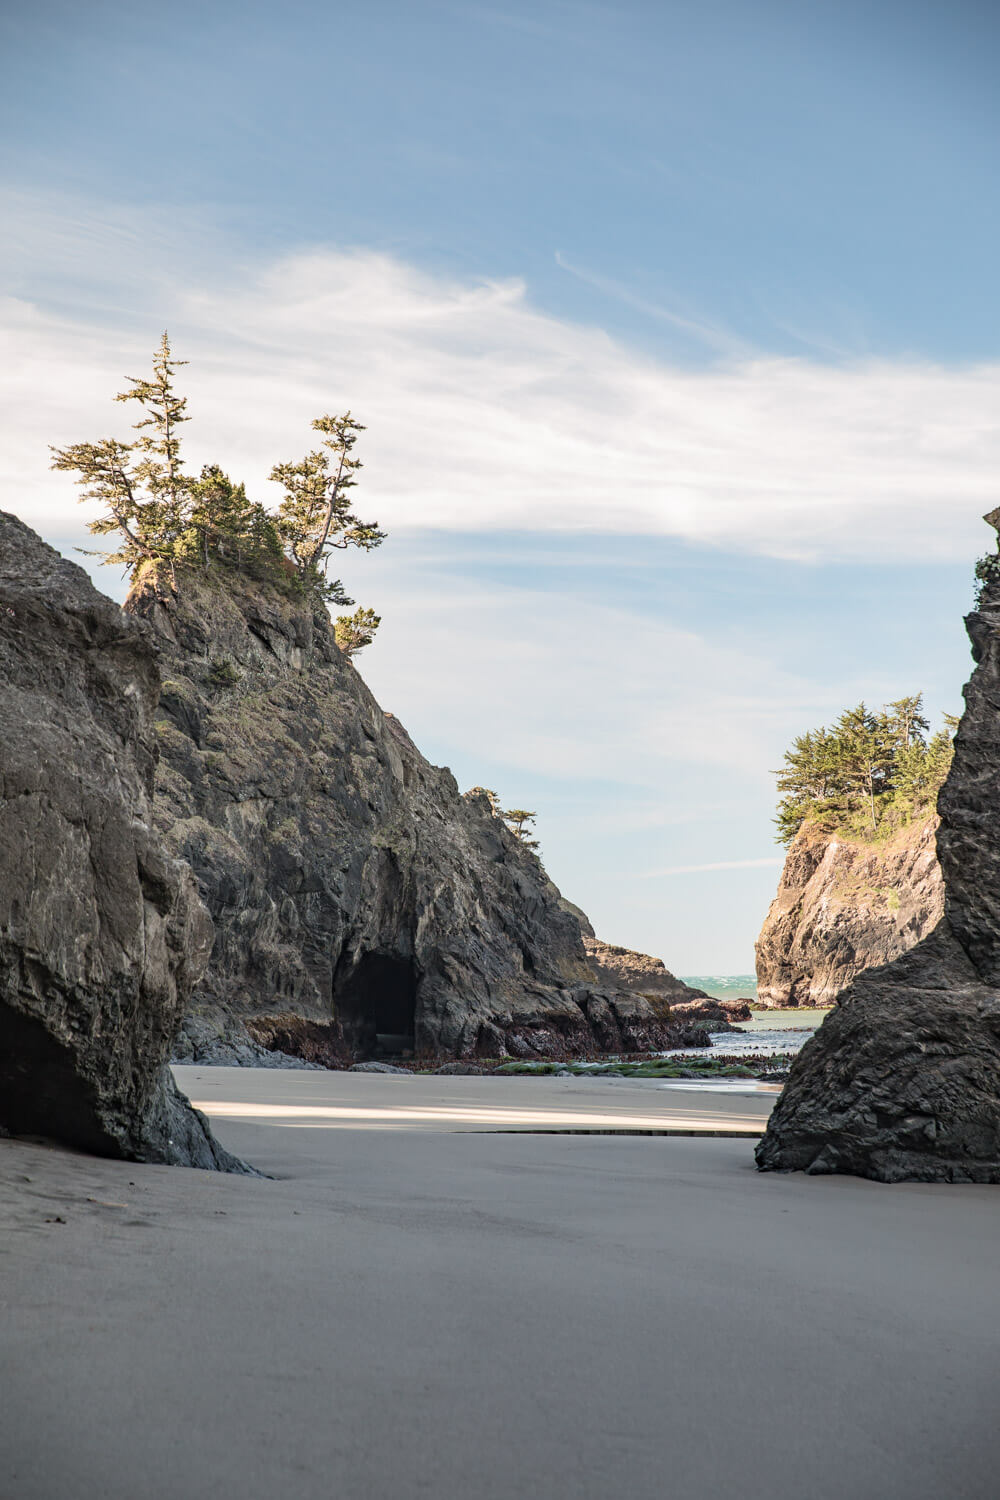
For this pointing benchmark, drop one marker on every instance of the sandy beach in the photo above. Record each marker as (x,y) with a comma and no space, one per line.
(428,1298)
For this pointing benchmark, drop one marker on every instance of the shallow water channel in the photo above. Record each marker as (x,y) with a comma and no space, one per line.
(770,1032)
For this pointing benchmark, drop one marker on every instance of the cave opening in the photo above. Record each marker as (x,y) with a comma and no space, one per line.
(42,1091)
(377,1006)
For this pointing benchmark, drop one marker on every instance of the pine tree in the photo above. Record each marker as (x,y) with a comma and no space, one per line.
(223,525)
(106,472)
(354,632)
(864,757)
(518,820)
(162,515)
(907,721)
(868,769)
(314,516)
(141,485)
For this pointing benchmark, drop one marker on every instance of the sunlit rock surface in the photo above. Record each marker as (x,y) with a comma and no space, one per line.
(843,906)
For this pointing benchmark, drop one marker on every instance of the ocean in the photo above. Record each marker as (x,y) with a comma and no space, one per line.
(724,986)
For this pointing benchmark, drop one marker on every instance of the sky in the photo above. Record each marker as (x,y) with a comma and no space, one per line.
(675,333)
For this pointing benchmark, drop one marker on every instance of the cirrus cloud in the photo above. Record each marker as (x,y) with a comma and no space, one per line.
(485,412)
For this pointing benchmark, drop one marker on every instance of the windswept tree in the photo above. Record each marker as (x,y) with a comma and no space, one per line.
(163,515)
(906,720)
(353,632)
(141,486)
(315,515)
(520,822)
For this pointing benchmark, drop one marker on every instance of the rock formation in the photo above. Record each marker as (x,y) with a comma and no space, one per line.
(902,1080)
(360,903)
(644,975)
(639,972)
(844,906)
(102,934)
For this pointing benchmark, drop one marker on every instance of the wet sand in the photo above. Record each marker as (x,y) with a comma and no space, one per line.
(415,1305)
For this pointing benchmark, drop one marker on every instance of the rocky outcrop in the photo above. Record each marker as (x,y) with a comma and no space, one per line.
(644,975)
(351,886)
(102,934)
(638,972)
(718,1015)
(844,906)
(902,1080)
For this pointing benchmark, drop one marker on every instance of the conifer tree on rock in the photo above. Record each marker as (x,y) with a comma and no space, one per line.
(354,632)
(141,485)
(518,820)
(315,517)
(164,516)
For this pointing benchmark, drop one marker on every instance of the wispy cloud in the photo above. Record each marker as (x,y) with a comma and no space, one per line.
(484,412)
(723,864)
(573,687)
(715,338)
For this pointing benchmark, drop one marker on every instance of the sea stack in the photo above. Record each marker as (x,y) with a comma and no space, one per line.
(102,934)
(357,896)
(902,1080)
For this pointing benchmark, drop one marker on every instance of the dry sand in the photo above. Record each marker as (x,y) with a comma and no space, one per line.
(417,1306)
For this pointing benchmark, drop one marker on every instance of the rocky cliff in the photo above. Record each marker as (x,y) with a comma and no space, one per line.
(102,934)
(639,972)
(359,901)
(844,906)
(902,1080)
(645,975)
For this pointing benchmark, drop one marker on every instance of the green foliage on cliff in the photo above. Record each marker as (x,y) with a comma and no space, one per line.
(521,824)
(867,775)
(164,517)
(987,577)
(354,632)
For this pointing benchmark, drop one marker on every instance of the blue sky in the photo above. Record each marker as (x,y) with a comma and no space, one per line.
(676,334)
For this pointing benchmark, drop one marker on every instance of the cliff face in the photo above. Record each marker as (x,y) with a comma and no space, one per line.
(355,893)
(102,934)
(902,1080)
(843,907)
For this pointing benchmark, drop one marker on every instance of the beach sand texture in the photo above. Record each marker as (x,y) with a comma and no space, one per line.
(420,1307)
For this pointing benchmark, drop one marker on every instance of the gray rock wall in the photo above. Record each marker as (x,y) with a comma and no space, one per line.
(350,884)
(102,934)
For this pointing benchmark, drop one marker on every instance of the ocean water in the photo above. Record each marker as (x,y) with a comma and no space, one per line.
(724,986)
(770,1032)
